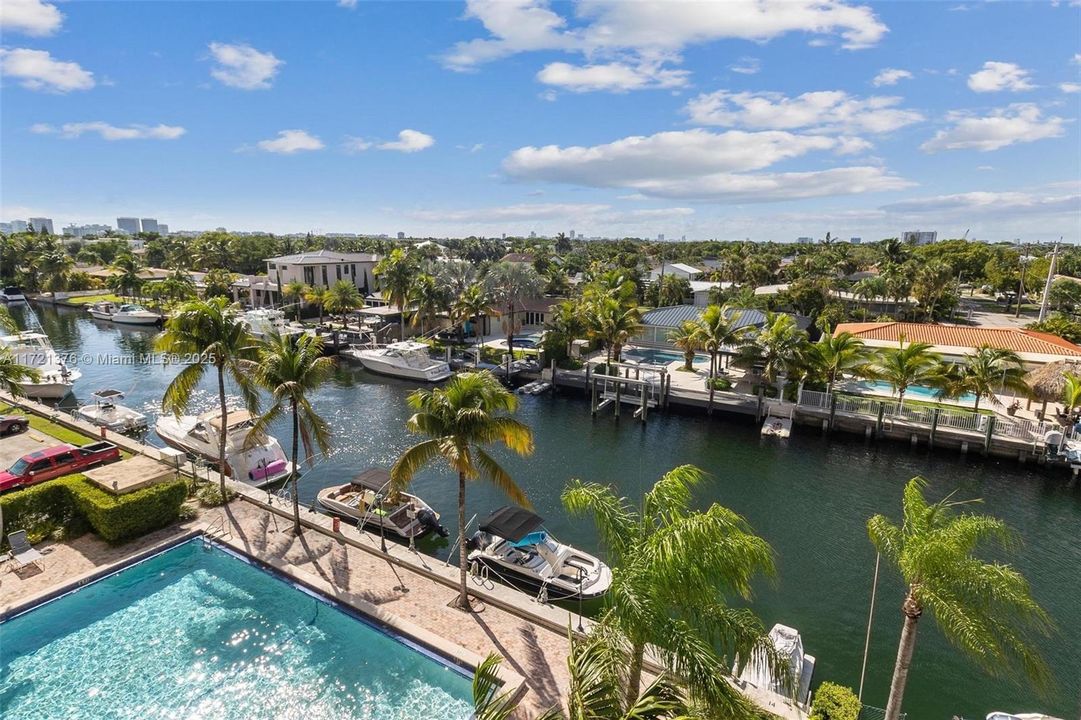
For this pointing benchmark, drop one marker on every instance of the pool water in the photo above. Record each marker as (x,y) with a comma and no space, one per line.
(915,392)
(660,357)
(196,632)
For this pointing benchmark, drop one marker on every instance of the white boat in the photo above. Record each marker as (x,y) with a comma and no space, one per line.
(789,646)
(516,549)
(999,715)
(264,322)
(406,359)
(367,499)
(34,350)
(12,293)
(264,463)
(127,313)
(105,412)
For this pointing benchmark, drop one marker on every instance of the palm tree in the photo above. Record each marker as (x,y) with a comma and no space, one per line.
(869,288)
(674,568)
(395,273)
(718,328)
(210,332)
(126,279)
(1071,392)
(778,349)
(291,368)
(12,373)
(294,292)
(471,304)
(614,323)
(427,298)
(983,608)
(983,371)
(688,338)
(343,297)
(7,321)
(318,297)
(510,284)
(834,355)
(469,412)
(567,322)
(55,266)
(908,365)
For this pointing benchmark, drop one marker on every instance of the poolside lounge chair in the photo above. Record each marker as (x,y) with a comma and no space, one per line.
(22,554)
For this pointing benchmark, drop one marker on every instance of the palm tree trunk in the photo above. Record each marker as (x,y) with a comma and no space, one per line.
(296,476)
(476,342)
(401,325)
(976,406)
(712,374)
(223,432)
(463,558)
(912,611)
(634,675)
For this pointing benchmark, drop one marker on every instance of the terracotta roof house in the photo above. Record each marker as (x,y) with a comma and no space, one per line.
(957,341)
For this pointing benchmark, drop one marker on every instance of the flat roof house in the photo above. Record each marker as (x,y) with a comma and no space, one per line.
(656,324)
(677,269)
(323,268)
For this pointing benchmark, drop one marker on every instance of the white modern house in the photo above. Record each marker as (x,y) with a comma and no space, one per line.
(323,268)
(677,269)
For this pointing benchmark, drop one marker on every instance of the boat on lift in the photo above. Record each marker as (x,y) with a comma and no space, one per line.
(516,548)
(12,294)
(125,313)
(368,499)
(107,413)
(34,350)
(409,360)
(261,463)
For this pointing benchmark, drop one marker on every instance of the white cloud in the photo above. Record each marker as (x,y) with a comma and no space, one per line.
(1077,59)
(997,76)
(355,144)
(824,110)
(30,17)
(613,77)
(291,141)
(242,66)
(111,132)
(347,4)
(999,203)
(890,76)
(1070,87)
(1017,123)
(38,70)
(474,148)
(699,164)
(662,212)
(986,168)
(515,26)
(523,211)
(409,141)
(746,66)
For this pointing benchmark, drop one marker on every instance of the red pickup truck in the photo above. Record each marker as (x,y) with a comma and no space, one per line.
(56,461)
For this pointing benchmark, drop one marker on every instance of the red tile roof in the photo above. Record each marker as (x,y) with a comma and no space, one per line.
(1008,338)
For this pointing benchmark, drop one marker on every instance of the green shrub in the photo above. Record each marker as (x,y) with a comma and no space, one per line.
(210,495)
(720,383)
(121,517)
(835,702)
(44,510)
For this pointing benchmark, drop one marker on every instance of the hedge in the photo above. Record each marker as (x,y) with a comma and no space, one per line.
(835,702)
(72,504)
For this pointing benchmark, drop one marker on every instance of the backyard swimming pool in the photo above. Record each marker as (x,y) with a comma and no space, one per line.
(660,357)
(199,632)
(914,392)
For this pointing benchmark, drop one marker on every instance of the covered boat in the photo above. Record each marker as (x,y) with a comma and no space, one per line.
(368,499)
(516,548)
(106,413)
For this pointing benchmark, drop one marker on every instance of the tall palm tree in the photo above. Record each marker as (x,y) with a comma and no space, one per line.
(567,322)
(615,324)
(293,292)
(395,273)
(984,371)
(688,338)
(778,349)
(126,280)
(470,305)
(210,332)
(718,328)
(55,267)
(427,298)
(318,297)
(834,355)
(867,289)
(983,608)
(511,284)
(907,365)
(342,297)
(469,412)
(1071,392)
(674,567)
(291,368)
(13,373)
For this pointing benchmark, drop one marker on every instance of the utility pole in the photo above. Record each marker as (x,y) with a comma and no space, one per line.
(1044,302)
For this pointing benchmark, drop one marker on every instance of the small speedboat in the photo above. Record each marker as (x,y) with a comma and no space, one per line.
(516,549)
(368,499)
(998,715)
(106,413)
(12,293)
(127,313)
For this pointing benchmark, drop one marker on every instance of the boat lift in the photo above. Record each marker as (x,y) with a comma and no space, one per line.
(641,384)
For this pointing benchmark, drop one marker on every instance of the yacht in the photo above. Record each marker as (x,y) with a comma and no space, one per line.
(409,360)
(263,463)
(515,547)
(34,350)
(106,413)
(263,322)
(127,313)
(12,293)
(368,500)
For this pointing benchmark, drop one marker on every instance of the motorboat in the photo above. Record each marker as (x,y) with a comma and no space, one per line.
(264,322)
(407,359)
(262,463)
(788,646)
(106,413)
(12,293)
(514,546)
(368,499)
(999,715)
(34,350)
(126,313)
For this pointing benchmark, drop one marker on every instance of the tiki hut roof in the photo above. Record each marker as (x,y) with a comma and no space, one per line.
(1047,381)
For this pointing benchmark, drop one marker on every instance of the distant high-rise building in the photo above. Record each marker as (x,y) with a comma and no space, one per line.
(919,237)
(18,226)
(401,236)
(5,228)
(40,223)
(128,225)
(84,230)
(149,225)
(855,240)
(571,235)
(163,229)
(660,237)
(804,240)
(683,238)
(532,235)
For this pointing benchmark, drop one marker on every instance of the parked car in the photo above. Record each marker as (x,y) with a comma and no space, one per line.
(55,461)
(13,424)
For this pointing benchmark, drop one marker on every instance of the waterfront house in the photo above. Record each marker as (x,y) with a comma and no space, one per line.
(323,268)
(955,342)
(657,323)
(255,291)
(682,270)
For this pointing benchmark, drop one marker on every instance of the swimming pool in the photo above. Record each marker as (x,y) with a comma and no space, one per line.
(199,632)
(914,392)
(660,357)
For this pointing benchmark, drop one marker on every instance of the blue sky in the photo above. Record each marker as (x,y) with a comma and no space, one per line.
(730,120)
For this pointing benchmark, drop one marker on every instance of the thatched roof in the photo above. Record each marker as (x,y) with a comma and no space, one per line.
(1048,380)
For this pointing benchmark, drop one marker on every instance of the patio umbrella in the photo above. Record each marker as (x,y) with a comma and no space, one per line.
(1047,382)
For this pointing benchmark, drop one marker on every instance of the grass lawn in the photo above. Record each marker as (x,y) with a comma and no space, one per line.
(50,428)
(87,299)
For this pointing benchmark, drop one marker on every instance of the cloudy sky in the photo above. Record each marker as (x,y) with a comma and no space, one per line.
(728,120)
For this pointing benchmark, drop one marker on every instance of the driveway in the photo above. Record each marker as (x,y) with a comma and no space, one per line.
(15,446)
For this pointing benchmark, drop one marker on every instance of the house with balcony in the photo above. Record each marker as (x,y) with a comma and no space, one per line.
(323,268)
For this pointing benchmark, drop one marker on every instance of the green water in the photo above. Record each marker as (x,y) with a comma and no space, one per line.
(810,499)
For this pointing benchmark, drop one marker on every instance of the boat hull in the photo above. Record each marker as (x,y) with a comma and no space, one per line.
(381,367)
(136,319)
(415,530)
(47,391)
(530,583)
(213,457)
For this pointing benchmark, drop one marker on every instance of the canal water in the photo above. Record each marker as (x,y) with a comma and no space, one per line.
(810,498)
